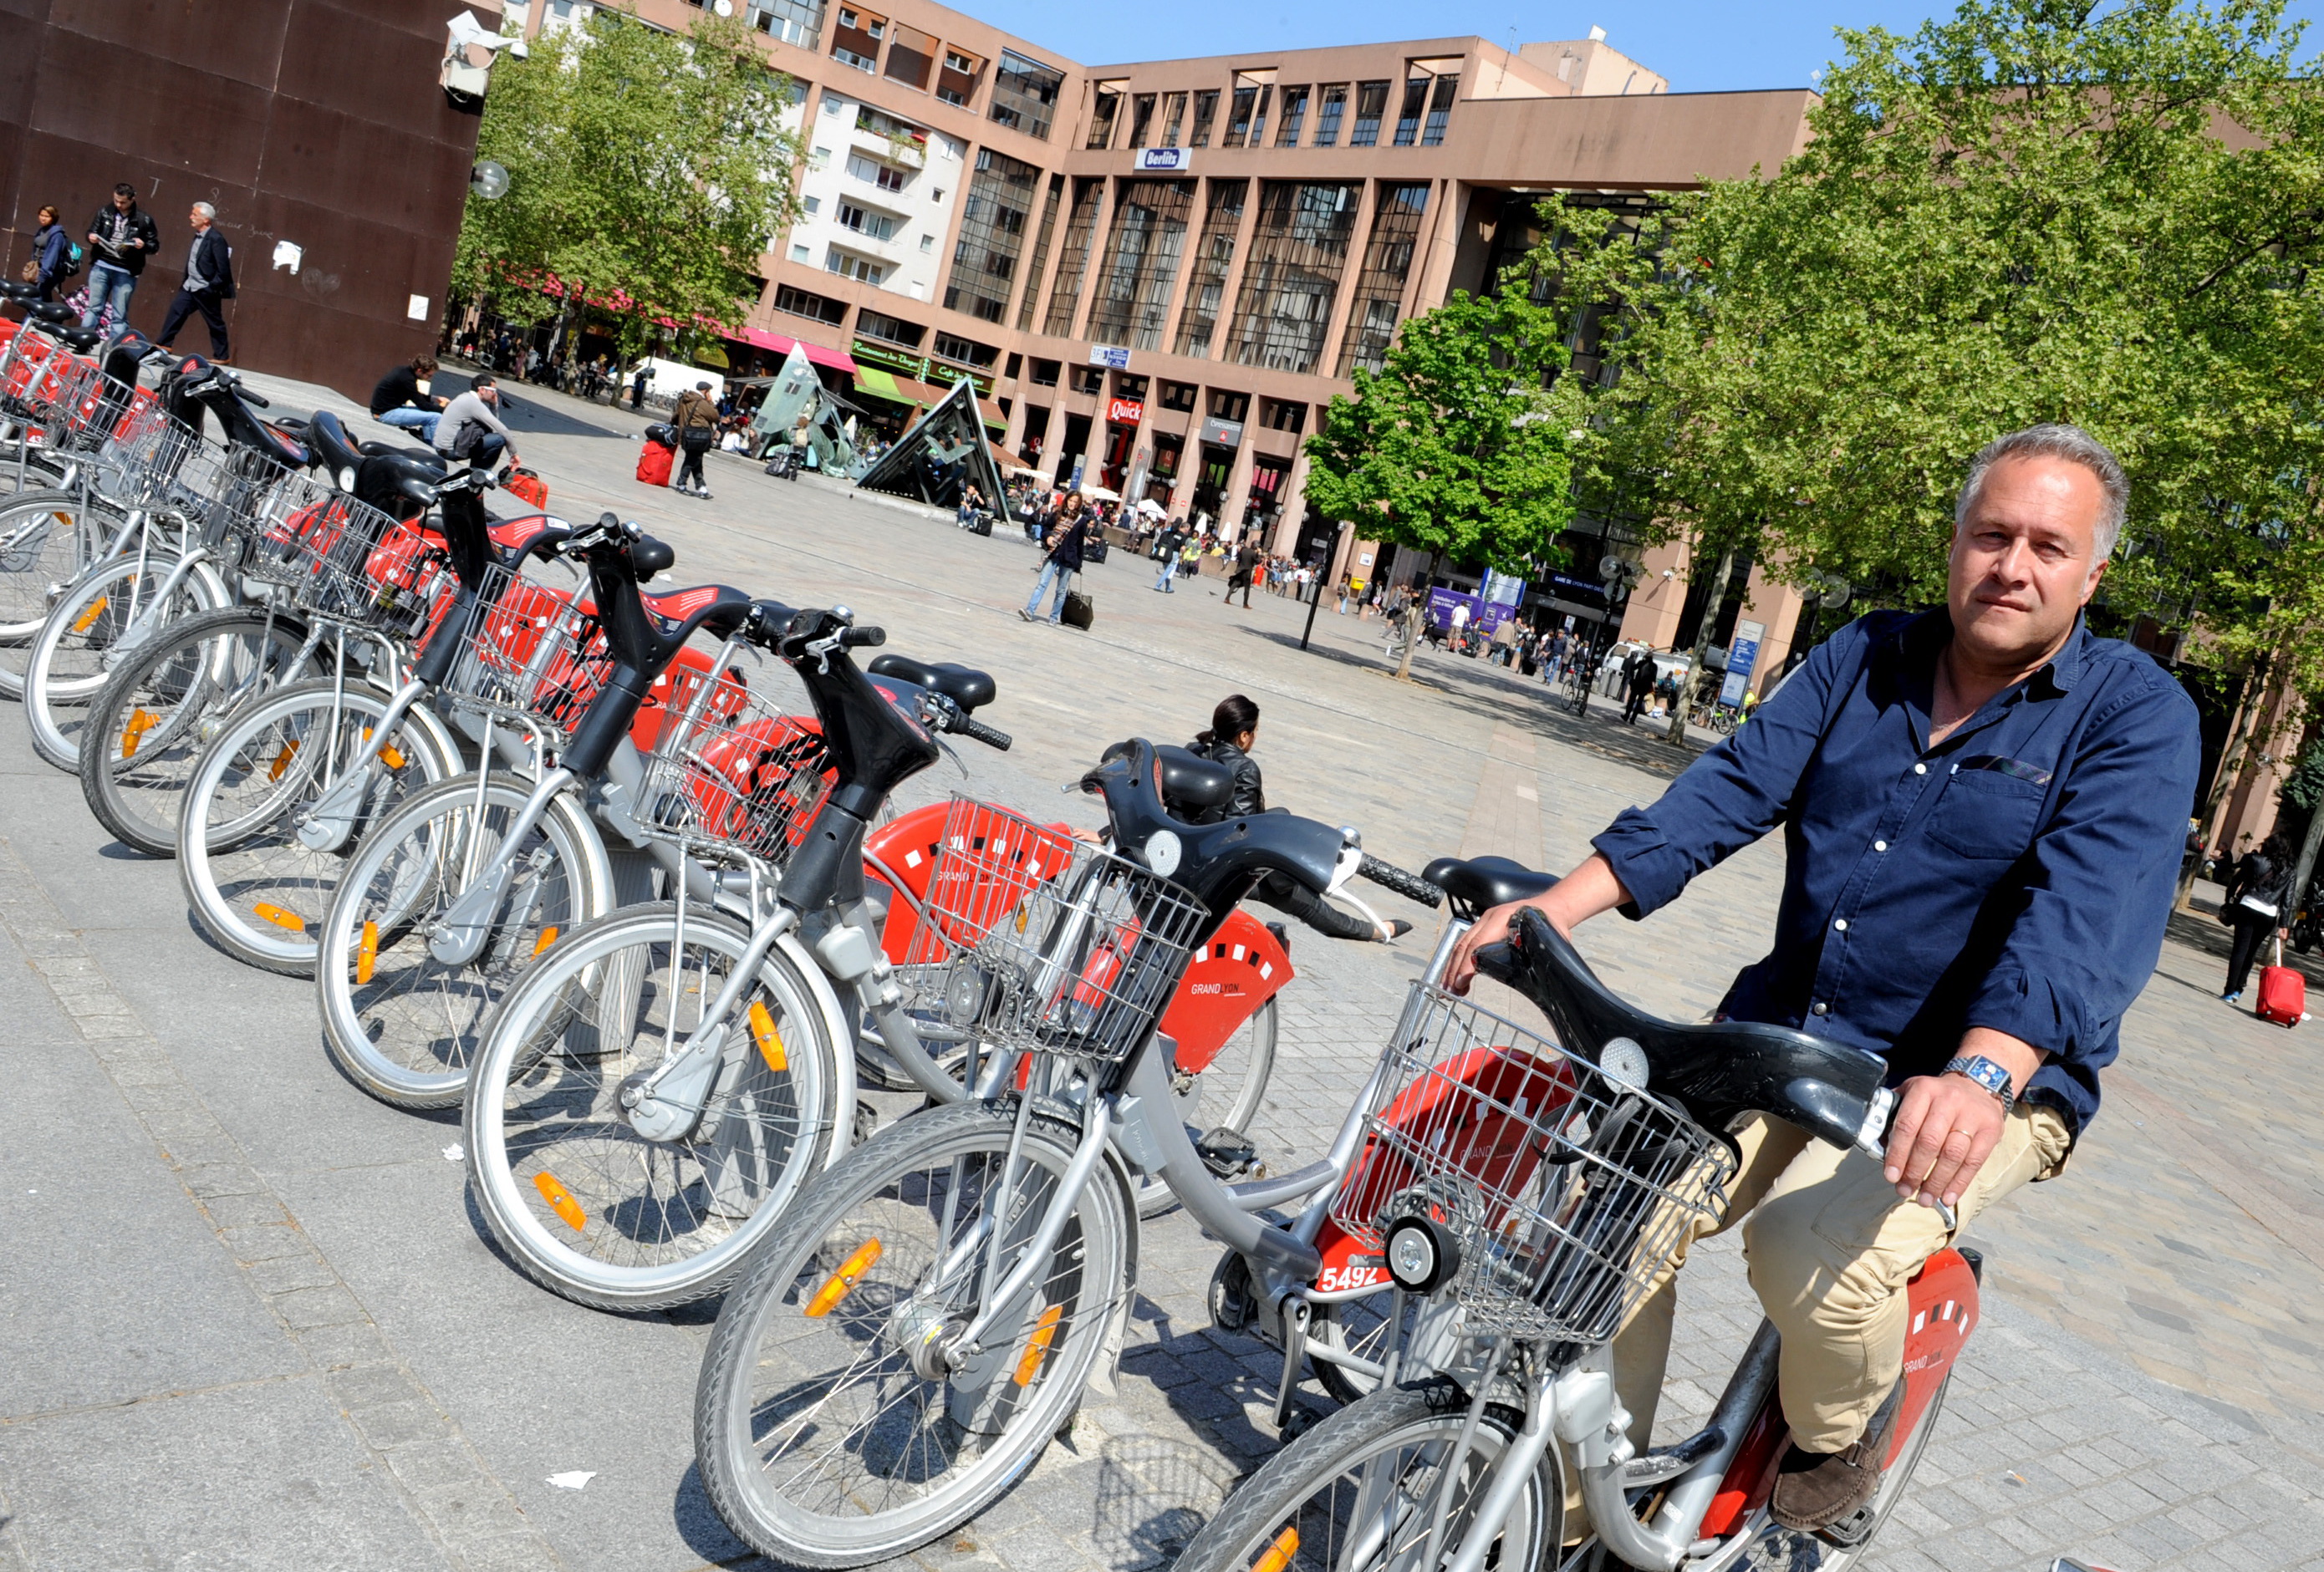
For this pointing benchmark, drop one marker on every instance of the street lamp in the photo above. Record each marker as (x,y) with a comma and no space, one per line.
(489,180)
(1618,574)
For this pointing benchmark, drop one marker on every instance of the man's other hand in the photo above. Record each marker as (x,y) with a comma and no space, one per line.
(1946,1127)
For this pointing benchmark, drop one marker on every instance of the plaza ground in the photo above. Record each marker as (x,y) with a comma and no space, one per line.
(252,1320)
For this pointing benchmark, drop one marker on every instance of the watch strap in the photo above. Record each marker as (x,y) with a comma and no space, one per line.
(1986,1073)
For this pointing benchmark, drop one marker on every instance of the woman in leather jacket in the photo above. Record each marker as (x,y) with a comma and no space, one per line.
(1234,730)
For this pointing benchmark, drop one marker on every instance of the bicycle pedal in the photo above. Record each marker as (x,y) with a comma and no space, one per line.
(1227,1153)
(1298,1422)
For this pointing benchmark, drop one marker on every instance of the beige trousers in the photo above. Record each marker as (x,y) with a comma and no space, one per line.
(1830,1249)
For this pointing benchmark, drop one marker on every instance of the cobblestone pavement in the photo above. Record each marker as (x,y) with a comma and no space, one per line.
(247,1318)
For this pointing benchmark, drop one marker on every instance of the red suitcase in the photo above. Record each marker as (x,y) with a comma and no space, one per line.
(526,486)
(2283,992)
(653,464)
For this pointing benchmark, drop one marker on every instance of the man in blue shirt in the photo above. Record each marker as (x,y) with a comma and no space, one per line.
(1982,810)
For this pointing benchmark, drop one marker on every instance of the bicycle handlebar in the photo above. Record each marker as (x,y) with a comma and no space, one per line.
(1410,886)
(862,638)
(999,740)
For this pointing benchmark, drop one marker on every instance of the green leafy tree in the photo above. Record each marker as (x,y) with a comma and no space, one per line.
(648,171)
(1456,446)
(2039,210)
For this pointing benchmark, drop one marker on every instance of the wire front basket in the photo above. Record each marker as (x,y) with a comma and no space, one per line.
(347,561)
(1566,1191)
(730,773)
(1031,939)
(530,652)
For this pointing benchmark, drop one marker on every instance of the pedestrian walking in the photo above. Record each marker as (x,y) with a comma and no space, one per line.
(469,430)
(1173,541)
(2258,893)
(1061,561)
(122,238)
(1246,568)
(54,257)
(638,386)
(209,284)
(1504,641)
(696,419)
(1638,679)
(402,399)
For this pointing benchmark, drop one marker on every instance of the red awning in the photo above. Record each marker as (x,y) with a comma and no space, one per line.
(838,360)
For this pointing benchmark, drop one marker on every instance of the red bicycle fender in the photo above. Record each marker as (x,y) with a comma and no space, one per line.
(1241,968)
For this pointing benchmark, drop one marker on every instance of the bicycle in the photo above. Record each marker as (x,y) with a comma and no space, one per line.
(1521,1255)
(930,1310)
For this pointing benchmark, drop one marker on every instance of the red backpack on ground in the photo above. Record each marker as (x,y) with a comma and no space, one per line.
(653,464)
(528,487)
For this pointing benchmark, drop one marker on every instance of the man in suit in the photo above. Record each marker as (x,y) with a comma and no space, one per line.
(208,286)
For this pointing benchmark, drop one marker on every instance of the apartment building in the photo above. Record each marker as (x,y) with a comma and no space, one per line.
(1157,272)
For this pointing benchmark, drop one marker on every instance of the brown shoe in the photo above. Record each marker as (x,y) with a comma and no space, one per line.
(1815,1490)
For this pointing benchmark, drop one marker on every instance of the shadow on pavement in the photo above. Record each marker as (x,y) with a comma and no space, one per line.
(530,411)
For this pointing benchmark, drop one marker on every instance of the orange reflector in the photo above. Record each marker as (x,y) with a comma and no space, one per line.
(87,620)
(548,937)
(842,1282)
(1278,1554)
(283,760)
(560,1201)
(275,915)
(141,721)
(390,757)
(366,953)
(1044,1332)
(771,1041)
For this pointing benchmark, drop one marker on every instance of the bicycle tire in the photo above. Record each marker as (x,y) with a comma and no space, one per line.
(1273,1508)
(420,1061)
(760,1335)
(43,543)
(244,910)
(544,1081)
(66,668)
(147,740)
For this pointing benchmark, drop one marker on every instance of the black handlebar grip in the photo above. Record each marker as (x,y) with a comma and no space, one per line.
(862,638)
(1410,886)
(985,734)
(248,397)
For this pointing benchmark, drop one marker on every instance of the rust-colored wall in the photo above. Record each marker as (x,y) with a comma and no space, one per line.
(318,122)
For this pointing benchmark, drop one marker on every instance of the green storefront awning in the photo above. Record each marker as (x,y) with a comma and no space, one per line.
(880,384)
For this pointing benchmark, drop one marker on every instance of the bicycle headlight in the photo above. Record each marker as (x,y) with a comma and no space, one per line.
(1421,1254)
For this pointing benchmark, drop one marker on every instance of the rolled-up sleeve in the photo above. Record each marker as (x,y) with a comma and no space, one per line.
(1732,794)
(2096,894)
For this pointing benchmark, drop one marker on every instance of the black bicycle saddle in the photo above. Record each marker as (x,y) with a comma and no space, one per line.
(1477,884)
(1192,782)
(962,684)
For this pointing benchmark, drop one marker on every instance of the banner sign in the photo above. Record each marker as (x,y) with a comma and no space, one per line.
(1741,656)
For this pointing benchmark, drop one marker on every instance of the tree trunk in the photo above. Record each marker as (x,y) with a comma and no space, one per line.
(1677,735)
(1415,617)
(2232,758)
(2302,869)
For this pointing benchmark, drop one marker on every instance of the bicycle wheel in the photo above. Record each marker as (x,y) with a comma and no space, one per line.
(400,1024)
(1225,1093)
(45,543)
(100,621)
(590,1207)
(156,713)
(1359,1493)
(1353,1325)
(821,1441)
(254,887)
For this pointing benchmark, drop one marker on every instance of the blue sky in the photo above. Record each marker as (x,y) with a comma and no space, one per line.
(1700,45)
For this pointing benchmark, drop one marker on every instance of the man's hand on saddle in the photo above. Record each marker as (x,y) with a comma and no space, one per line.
(1947,1125)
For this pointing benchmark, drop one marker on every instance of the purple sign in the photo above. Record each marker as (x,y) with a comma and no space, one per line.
(1484,615)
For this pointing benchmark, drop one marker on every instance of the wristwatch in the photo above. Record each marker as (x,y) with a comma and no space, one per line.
(1986,1073)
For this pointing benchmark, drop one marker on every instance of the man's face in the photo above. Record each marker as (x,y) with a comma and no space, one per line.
(490,393)
(2025,561)
(194,216)
(121,204)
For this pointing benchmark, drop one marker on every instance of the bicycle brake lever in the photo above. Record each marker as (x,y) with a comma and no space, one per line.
(1872,1141)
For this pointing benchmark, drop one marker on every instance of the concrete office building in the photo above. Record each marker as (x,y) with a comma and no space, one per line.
(1163,270)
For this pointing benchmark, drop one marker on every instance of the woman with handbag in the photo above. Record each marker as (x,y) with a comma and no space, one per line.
(2258,891)
(696,419)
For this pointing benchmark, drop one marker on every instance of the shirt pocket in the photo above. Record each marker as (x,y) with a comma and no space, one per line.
(1986,814)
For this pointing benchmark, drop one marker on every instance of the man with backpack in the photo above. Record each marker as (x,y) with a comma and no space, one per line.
(121,238)
(209,284)
(696,420)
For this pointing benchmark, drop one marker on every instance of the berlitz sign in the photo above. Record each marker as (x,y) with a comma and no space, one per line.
(1126,411)
(1164,160)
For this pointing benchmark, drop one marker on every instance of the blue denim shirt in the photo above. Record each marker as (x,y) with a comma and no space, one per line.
(2018,875)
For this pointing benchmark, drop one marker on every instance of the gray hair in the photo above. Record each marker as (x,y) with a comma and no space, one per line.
(2071,443)
(206,211)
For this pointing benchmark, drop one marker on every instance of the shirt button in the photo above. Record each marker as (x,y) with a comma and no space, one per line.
(1823,1009)
(1920,769)
(1841,925)
(1880,846)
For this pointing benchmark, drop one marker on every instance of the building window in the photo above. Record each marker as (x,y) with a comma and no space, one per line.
(1297,252)
(1126,386)
(1044,373)
(1206,109)
(1226,406)
(889,329)
(929,242)
(812,204)
(1073,258)
(966,350)
(1178,396)
(1103,109)
(862,269)
(1246,116)
(1025,94)
(1131,302)
(872,172)
(902,134)
(1033,276)
(1328,109)
(957,83)
(911,57)
(1000,193)
(1015,367)
(1371,103)
(1206,280)
(799,303)
(1174,118)
(868,222)
(794,22)
(1294,115)
(855,41)
(1408,118)
(801,253)
(1141,118)
(1088,379)
(1440,109)
(1281,415)
(1378,299)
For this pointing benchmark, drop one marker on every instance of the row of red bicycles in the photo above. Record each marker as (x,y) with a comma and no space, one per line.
(621,873)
